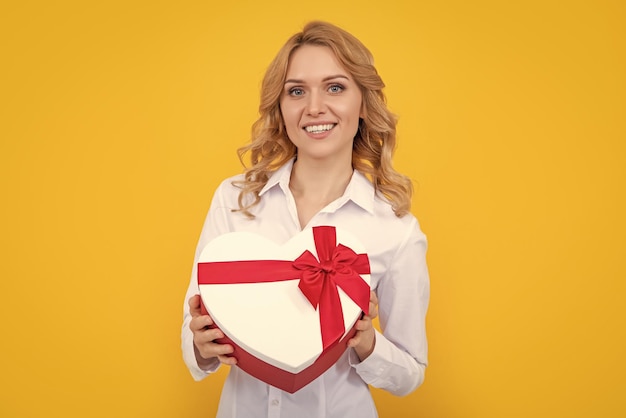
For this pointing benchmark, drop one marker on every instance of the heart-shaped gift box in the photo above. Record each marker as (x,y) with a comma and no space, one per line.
(288,310)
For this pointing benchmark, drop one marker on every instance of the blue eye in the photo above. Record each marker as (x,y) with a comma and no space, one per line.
(296,91)
(336,88)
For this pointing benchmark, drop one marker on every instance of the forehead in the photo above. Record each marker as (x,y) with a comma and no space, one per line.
(311,62)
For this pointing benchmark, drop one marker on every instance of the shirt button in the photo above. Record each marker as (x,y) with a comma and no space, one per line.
(275,402)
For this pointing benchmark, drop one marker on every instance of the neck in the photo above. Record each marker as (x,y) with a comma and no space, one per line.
(318,181)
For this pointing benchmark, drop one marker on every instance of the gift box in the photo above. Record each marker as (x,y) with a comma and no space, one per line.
(288,310)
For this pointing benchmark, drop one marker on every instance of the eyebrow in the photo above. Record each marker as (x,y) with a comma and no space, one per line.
(330,77)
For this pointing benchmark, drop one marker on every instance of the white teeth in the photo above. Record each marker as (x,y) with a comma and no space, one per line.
(316,129)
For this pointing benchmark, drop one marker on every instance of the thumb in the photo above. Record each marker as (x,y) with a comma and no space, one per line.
(195,306)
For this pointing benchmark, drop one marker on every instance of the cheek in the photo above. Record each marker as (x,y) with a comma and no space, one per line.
(353,107)
(353,110)
(358,106)
(289,114)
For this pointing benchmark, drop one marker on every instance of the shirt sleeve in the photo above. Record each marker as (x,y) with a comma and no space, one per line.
(399,359)
(217,222)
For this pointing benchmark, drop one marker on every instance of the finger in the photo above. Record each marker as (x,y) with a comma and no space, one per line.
(353,342)
(359,337)
(363,324)
(373,305)
(200,323)
(228,360)
(220,349)
(373,298)
(211,349)
(207,336)
(194,306)
(373,312)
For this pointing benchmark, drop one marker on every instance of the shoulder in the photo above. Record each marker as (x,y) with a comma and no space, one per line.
(383,210)
(227,192)
(230,184)
(404,228)
(377,212)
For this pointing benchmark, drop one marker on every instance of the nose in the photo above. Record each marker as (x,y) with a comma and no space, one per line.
(315,104)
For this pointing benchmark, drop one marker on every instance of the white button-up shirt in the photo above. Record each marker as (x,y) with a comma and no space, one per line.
(396,248)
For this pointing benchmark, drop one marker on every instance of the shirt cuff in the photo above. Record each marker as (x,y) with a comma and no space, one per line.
(189,355)
(377,368)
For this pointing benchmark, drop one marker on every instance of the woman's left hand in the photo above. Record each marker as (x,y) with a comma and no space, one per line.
(365,338)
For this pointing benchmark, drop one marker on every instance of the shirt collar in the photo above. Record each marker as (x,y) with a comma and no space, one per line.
(279,177)
(360,190)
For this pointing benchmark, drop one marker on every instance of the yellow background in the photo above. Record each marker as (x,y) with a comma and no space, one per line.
(119,118)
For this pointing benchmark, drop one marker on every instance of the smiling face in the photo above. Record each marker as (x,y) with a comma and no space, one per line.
(320,105)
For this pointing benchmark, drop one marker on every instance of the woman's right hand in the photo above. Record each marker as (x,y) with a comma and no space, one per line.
(203,337)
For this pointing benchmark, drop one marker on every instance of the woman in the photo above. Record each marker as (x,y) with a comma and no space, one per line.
(321,155)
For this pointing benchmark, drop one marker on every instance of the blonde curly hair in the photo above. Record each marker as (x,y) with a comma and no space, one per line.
(375,140)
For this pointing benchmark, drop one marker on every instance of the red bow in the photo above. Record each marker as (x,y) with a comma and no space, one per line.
(338,266)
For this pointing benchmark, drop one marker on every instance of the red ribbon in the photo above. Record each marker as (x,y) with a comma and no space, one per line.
(338,266)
